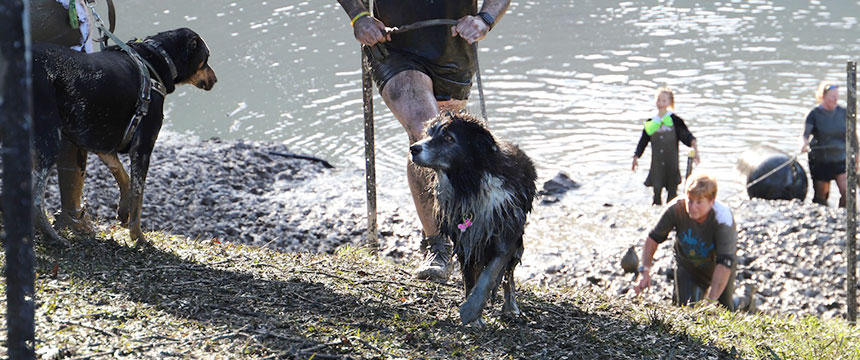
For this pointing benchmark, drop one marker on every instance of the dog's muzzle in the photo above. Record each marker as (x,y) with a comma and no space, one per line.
(415,152)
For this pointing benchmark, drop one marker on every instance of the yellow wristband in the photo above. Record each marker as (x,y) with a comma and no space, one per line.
(359,16)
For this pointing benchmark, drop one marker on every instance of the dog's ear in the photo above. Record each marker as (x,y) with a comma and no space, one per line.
(192,44)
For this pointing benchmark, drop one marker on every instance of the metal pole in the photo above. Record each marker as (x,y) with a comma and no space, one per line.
(369,152)
(16,115)
(851,201)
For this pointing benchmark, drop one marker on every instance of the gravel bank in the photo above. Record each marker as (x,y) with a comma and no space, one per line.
(244,191)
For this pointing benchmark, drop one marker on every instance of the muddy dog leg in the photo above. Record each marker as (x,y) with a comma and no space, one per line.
(510,305)
(139,156)
(487,280)
(71,171)
(46,144)
(470,276)
(122,180)
(139,165)
(40,182)
(510,289)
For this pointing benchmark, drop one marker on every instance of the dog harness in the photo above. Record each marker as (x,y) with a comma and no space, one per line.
(146,82)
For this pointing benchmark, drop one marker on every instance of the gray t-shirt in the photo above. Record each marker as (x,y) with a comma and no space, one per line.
(828,134)
(697,245)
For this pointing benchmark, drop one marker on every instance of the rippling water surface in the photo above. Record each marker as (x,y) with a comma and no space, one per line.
(569,81)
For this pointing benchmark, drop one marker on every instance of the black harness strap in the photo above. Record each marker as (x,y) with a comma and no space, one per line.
(156,47)
(146,82)
(143,99)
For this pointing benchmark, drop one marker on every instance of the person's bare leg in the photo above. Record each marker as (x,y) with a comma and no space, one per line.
(822,192)
(409,96)
(842,184)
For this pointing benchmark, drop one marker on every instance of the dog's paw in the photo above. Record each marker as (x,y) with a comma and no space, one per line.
(122,212)
(477,324)
(511,308)
(138,240)
(53,238)
(470,311)
(59,241)
(80,223)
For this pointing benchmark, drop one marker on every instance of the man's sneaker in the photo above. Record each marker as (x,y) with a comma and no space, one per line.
(746,302)
(436,265)
(749,292)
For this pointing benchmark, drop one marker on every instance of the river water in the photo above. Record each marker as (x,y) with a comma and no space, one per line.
(571,82)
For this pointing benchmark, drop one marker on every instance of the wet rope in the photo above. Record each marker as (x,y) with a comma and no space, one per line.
(789,161)
(769,173)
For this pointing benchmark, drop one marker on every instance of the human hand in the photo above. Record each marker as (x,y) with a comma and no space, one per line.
(644,282)
(369,31)
(471,28)
(804,148)
(696,159)
(635,163)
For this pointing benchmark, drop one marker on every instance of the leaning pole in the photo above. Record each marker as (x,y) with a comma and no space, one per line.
(369,151)
(851,203)
(16,114)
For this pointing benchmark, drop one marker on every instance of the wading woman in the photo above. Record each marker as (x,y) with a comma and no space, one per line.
(825,125)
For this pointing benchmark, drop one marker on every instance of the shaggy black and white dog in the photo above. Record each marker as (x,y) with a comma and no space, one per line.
(483,190)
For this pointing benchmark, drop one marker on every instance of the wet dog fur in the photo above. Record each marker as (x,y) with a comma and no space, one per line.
(490,182)
(84,102)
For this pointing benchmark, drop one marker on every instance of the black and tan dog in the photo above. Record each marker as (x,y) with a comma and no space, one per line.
(85,103)
(483,191)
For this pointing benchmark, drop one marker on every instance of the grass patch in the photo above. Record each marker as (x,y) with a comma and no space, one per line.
(206,299)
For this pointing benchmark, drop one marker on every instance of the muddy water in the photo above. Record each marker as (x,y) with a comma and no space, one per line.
(569,81)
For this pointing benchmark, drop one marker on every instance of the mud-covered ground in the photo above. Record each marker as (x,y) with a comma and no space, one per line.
(249,192)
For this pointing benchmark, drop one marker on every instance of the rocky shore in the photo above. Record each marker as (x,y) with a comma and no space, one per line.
(251,192)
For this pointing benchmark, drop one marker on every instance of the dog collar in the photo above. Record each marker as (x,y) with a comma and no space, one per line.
(467,221)
(155,45)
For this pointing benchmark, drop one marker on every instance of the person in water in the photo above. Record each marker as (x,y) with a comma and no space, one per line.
(420,73)
(663,131)
(825,125)
(705,247)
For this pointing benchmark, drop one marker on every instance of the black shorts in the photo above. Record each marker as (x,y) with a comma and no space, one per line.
(448,83)
(826,171)
(689,289)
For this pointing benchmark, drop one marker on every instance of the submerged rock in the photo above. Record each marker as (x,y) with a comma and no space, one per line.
(559,184)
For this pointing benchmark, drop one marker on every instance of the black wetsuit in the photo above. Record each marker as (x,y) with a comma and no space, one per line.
(448,60)
(827,157)
(664,172)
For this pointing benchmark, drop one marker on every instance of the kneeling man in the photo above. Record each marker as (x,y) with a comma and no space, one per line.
(705,245)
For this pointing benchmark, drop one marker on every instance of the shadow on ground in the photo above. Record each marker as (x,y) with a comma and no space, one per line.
(196,299)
